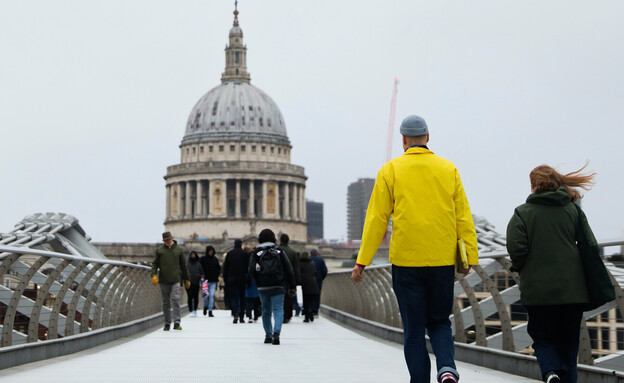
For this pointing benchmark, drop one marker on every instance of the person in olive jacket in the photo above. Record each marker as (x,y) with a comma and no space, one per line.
(168,267)
(541,241)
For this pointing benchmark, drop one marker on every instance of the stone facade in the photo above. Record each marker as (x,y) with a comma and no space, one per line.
(235,177)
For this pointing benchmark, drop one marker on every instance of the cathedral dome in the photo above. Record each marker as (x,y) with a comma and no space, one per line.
(236,111)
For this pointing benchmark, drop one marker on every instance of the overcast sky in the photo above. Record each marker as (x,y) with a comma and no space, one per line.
(94,98)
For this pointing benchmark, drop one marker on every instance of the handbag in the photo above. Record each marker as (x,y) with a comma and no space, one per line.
(599,286)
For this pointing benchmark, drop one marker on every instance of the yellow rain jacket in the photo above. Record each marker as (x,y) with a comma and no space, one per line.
(430,213)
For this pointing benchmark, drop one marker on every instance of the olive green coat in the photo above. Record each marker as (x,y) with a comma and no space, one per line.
(171,264)
(541,241)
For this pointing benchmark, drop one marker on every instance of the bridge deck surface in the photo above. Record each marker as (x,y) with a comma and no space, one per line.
(215,350)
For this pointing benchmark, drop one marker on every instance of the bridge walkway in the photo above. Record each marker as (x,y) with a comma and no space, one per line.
(216,350)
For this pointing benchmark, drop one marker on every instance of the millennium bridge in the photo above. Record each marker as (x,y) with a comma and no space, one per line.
(70,314)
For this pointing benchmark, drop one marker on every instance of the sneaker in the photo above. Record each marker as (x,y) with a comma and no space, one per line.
(268,339)
(176,326)
(448,377)
(167,326)
(210,314)
(193,313)
(276,338)
(553,378)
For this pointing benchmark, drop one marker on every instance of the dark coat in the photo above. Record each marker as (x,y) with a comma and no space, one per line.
(195,270)
(235,266)
(308,276)
(321,269)
(294,261)
(289,276)
(211,266)
(170,264)
(541,241)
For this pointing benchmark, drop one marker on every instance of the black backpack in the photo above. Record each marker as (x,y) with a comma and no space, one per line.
(269,269)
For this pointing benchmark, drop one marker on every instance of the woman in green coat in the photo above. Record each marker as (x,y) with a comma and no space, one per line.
(541,241)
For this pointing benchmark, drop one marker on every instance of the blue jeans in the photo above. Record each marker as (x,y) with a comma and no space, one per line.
(425,297)
(209,299)
(272,304)
(555,331)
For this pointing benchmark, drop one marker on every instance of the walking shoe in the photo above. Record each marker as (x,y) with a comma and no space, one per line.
(306,320)
(193,313)
(242,320)
(176,326)
(210,314)
(286,320)
(448,377)
(268,339)
(167,326)
(235,320)
(276,338)
(206,310)
(553,378)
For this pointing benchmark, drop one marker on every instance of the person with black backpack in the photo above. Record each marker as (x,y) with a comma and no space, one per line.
(274,275)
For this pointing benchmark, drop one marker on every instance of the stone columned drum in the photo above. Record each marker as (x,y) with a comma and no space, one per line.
(235,177)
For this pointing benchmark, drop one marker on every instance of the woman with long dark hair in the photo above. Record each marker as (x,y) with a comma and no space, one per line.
(542,240)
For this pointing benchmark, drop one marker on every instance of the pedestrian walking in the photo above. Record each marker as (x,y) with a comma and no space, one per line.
(272,271)
(294,262)
(542,238)
(321,273)
(212,270)
(309,285)
(423,194)
(196,273)
(235,277)
(168,269)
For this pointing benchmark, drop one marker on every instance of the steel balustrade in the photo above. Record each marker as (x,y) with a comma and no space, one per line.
(488,319)
(117,293)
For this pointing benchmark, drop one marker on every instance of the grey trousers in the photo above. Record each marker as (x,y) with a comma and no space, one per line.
(171,294)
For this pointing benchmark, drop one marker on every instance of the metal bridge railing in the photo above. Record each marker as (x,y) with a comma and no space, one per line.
(49,295)
(487,310)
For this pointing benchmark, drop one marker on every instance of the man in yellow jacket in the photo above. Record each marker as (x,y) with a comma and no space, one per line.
(430,215)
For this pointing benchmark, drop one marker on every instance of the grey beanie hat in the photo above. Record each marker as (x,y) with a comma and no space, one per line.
(414,126)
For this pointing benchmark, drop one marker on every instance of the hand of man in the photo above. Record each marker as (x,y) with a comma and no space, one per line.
(461,270)
(154,280)
(358,273)
(187,284)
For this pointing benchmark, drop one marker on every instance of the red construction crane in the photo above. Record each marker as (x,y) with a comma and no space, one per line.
(391,123)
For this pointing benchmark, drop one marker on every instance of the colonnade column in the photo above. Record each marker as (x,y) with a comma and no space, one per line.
(168,204)
(295,213)
(237,208)
(304,213)
(286,201)
(264,198)
(179,211)
(224,206)
(199,209)
(251,201)
(188,212)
